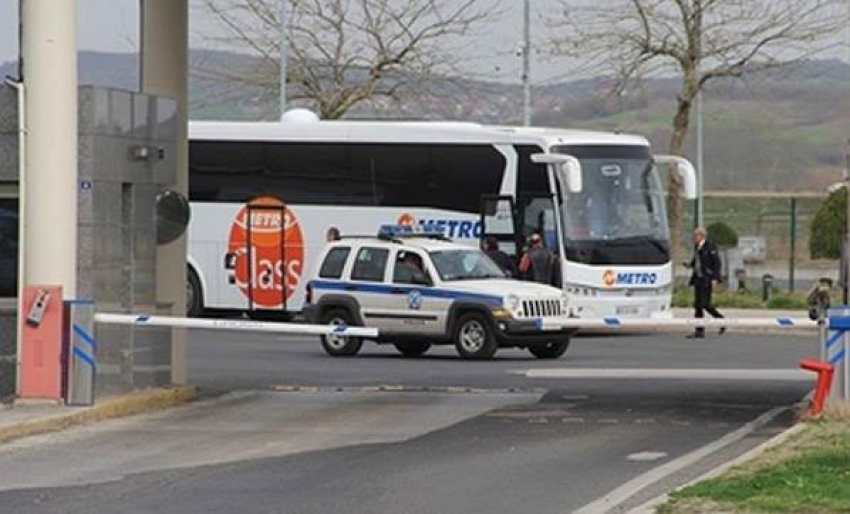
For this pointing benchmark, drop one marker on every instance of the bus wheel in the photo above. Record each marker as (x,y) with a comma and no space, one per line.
(340,346)
(474,337)
(194,295)
(412,349)
(549,350)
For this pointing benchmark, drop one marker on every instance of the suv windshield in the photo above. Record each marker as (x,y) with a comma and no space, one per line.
(465,264)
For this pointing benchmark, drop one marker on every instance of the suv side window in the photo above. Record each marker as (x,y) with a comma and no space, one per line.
(334,262)
(370,264)
(409,268)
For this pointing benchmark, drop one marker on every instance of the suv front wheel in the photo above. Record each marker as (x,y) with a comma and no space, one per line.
(549,350)
(474,337)
(340,346)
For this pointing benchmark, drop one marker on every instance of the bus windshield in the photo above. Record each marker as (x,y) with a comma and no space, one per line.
(620,215)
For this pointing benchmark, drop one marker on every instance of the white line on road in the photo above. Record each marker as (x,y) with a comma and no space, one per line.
(637,484)
(670,373)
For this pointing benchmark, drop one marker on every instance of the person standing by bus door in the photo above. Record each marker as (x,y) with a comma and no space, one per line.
(503,260)
(705,274)
(538,262)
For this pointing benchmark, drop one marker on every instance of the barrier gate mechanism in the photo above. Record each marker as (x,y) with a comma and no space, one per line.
(836,349)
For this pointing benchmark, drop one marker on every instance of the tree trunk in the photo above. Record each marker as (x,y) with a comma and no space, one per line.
(681,121)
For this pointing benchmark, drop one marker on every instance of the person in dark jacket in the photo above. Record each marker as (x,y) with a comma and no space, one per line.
(503,260)
(706,270)
(538,262)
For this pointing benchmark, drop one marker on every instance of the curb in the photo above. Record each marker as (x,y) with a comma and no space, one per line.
(108,408)
(652,505)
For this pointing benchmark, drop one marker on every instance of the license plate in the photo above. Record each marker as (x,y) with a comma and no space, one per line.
(628,310)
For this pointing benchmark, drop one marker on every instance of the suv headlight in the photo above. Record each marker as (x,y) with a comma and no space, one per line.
(512,302)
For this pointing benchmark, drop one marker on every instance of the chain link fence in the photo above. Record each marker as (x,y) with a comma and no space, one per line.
(782,222)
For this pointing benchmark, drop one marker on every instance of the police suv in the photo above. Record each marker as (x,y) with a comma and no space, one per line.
(420,289)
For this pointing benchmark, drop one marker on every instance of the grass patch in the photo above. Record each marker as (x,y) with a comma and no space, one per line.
(808,473)
(684,297)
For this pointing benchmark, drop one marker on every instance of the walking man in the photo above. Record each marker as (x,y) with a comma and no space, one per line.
(705,274)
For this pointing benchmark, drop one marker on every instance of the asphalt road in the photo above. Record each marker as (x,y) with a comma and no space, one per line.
(380,433)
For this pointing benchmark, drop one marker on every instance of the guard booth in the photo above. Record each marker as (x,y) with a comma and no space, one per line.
(126,160)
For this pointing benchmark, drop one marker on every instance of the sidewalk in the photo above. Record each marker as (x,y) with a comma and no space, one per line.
(30,418)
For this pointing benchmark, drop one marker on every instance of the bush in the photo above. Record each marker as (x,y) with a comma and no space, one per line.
(828,226)
(722,234)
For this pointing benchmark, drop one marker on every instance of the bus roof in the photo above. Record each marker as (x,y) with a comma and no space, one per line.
(403,132)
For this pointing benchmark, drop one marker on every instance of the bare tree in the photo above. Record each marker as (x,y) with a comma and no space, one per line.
(696,40)
(344,52)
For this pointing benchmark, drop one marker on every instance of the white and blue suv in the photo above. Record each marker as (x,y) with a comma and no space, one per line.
(422,289)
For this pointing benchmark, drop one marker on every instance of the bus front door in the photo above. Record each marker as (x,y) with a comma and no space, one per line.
(498,222)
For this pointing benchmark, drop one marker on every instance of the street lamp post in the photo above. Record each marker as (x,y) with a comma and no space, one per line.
(526,63)
(284,51)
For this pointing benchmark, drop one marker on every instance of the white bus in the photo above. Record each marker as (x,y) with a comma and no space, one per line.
(301,182)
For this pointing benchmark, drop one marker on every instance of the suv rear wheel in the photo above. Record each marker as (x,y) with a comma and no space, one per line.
(340,346)
(549,350)
(474,337)
(412,349)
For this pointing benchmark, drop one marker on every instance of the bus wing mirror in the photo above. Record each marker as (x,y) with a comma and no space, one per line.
(686,171)
(565,162)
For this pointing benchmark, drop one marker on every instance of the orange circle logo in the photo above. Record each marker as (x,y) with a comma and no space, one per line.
(268,267)
(608,278)
(406,219)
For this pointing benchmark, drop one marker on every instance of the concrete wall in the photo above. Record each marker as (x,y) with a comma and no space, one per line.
(117,233)
(8,177)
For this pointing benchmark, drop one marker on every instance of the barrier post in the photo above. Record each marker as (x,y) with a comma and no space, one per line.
(836,354)
(80,345)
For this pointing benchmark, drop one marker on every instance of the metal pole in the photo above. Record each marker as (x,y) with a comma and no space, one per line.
(791,258)
(700,203)
(526,63)
(164,63)
(49,204)
(284,51)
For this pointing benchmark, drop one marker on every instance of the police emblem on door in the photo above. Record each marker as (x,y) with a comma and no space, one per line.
(414,300)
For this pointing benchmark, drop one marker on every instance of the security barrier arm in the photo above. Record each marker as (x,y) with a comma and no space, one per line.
(231,324)
(652,323)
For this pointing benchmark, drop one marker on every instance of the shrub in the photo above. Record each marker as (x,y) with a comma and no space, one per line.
(722,234)
(828,226)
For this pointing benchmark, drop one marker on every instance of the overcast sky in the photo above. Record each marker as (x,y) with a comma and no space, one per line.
(112,26)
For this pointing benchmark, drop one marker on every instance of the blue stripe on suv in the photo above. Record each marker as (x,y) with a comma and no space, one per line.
(432,292)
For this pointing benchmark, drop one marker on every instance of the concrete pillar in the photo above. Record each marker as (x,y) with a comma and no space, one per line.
(164,57)
(49,187)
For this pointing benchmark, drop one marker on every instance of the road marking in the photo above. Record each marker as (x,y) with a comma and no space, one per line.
(619,495)
(790,374)
(646,456)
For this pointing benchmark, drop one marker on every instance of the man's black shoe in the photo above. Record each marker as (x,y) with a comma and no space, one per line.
(721,332)
(695,335)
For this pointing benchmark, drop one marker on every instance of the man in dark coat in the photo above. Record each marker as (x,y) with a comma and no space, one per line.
(503,260)
(706,270)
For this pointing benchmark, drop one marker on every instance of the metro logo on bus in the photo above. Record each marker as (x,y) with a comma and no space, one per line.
(453,228)
(609,278)
(273,227)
